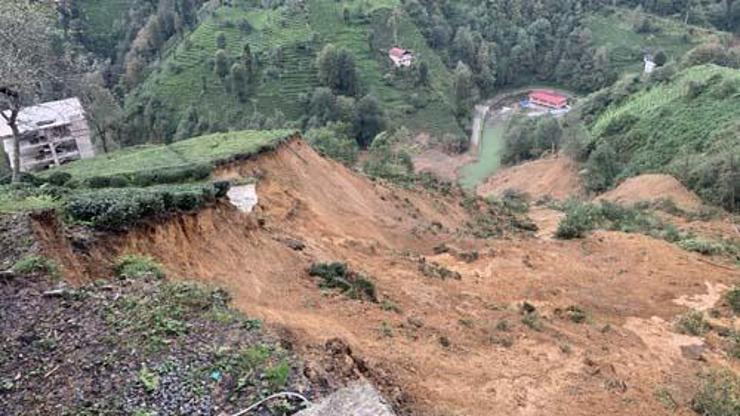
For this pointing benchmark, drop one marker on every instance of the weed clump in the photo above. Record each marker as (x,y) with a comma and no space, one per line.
(133,266)
(35,264)
(338,276)
(693,323)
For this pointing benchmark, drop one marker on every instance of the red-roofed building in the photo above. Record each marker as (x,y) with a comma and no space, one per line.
(547,98)
(401,57)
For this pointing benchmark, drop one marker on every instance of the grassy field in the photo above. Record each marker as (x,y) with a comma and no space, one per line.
(204,149)
(299,32)
(489,156)
(614,30)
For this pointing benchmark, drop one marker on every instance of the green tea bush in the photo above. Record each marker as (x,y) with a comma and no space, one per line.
(579,219)
(143,178)
(115,209)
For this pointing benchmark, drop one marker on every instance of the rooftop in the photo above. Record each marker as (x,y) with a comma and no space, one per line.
(50,114)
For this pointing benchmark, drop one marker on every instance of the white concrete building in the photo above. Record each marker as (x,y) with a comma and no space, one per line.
(53,133)
(401,57)
(649,64)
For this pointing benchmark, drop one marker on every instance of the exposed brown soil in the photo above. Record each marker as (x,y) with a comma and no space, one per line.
(441,164)
(445,351)
(554,177)
(650,188)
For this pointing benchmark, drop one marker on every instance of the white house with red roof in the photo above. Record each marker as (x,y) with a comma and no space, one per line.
(401,57)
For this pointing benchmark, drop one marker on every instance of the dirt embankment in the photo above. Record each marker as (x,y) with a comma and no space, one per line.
(446,346)
(554,177)
(651,188)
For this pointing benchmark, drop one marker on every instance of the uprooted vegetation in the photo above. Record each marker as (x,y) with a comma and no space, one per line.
(339,276)
(136,346)
(582,217)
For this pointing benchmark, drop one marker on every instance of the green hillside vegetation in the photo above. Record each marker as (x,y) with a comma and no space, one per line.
(687,126)
(119,189)
(210,149)
(285,42)
(629,34)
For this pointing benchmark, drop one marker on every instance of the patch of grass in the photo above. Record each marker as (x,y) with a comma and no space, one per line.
(338,276)
(134,266)
(35,264)
(719,394)
(709,248)
(390,306)
(278,375)
(693,323)
(533,321)
(148,379)
(665,398)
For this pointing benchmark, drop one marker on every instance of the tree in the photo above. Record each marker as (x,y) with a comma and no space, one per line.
(221,41)
(465,93)
(422,74)
(247,59)
(394,21)
(104,113)
(337,70)
(370,120)
(238,75)
(188,126)
(221,64)
(26,63)
(602,167)
(660,58)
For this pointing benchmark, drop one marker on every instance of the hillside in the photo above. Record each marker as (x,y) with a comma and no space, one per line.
(455,303)
(285,41)
(686,126)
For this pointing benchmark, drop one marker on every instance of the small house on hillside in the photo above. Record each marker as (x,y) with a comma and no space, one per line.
(549,99)
(401,57)
(53,133)
(649,63)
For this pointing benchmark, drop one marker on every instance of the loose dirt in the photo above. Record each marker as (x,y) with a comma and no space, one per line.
(554,177)
(447,346)
(650,188)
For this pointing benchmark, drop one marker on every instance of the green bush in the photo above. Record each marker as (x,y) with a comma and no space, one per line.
(719,395)
(693,323)
(579,219)
(59,178)
(35,264)
(702,246)
(733,299)
(338,276)
(116,209)
(133,266)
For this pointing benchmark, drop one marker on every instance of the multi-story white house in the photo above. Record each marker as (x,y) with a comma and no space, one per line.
(53,133)
(401,57)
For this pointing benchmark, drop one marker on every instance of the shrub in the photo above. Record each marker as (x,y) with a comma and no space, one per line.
(35,264)
(338,276)
(578,220)
(576,314)
(733,299)
(115,209)
(59,178)
(702,246)
(532,320)
(693,323)
(134,266)
(719,395)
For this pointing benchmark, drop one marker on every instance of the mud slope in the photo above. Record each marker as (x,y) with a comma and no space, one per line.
(652,187)
(449,347)
(555,177)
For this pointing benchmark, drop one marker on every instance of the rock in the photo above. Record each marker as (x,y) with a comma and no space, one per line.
(358,399)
